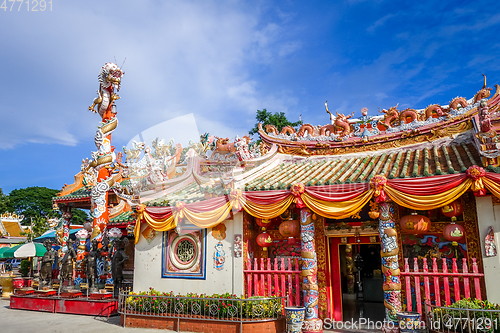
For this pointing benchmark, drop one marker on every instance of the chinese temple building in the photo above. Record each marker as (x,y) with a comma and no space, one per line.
(341,218)
(11,231)
(345,218)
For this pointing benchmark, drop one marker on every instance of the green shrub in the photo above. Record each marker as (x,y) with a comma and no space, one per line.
(467,320)
(25,267)
(216,305)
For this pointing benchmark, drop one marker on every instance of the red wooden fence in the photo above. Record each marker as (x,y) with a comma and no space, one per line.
(265,279)
(439,278)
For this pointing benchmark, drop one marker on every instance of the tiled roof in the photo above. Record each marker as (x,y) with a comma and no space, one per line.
(124,217)
(13,229)
(424,162)
(82,193)
(190,193)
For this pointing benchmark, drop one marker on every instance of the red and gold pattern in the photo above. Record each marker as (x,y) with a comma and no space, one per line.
(331,201)
(477,174)
(377,183)
(297,190)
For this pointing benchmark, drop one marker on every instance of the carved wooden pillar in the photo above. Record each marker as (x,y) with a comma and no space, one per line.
(312,322)
(349,268)
(390,265)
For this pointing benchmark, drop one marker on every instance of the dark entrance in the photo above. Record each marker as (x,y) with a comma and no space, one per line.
(361,282)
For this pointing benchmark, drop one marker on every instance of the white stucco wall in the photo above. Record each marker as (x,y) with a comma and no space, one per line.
(489,215)
(148,261)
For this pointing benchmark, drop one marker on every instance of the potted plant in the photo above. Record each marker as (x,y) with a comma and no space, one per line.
(25,268)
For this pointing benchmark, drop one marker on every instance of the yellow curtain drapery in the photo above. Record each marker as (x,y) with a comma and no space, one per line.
(337,209)
(426,202)
(266,211)
(329,209)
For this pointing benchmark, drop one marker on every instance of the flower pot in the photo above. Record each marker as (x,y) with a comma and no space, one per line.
(18,283)
(28,282)
(7,287)
(409,322)
(294,318)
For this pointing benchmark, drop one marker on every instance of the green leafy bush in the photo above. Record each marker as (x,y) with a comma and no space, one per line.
(461,317)
(219,306)
(25,267)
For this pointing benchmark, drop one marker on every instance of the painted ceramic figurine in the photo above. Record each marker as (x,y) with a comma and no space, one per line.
(490,248)
(219,256)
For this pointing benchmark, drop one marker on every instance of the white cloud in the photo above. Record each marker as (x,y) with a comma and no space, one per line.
(182,57)
(380,22)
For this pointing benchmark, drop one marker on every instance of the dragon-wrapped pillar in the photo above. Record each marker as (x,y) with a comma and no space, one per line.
(101,169)
(390,265)
(309,267)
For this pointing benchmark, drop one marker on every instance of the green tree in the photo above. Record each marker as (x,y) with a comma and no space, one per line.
(4,203)
(39,226)
(79,216)
(32,202)
(278,119)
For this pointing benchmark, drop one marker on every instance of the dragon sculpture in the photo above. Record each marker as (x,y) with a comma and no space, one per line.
(340,122)
(408,113)
(483,93)
(109,79)
(101,173)
(391,116)
(435,108)
(458,101)
(311,130)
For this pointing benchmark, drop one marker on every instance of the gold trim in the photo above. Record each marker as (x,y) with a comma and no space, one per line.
(109,127)
(447,128)
(330,275)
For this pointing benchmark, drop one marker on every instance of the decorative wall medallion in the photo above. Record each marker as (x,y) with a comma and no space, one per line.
(238,245)
(149,234)
(183,255)
(373,239)
(219,231)
(490,248)
(219,256)
(343,240)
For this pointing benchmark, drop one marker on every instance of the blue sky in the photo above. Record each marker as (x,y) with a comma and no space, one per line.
(221,61)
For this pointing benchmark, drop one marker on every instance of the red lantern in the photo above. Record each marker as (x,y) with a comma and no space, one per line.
(264,239)
(414,224)
(290,228)
(263,223)
(453,233)
(452,210)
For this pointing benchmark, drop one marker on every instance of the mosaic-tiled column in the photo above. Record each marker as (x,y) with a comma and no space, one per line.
(312,322)
(113,235)
(81,236)
(390,266)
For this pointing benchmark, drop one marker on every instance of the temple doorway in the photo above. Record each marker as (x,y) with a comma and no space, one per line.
(357,282)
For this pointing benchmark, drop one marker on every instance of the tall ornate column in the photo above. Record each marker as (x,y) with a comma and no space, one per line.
(99,173)
(309,267)
(390,265)
(82,236)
